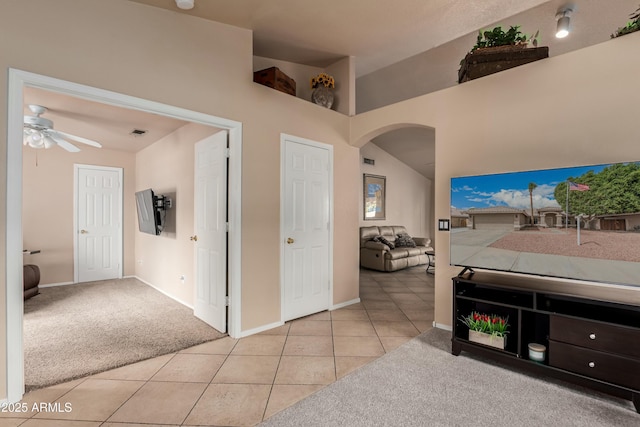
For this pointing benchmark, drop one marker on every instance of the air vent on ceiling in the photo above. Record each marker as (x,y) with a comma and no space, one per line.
(138,132)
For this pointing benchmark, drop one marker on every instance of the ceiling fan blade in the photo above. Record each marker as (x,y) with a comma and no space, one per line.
(77,138)
(64,144)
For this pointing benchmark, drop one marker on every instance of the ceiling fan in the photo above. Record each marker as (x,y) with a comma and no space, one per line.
(38,133)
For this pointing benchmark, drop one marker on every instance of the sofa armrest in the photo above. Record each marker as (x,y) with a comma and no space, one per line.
(370,244)
(422,241)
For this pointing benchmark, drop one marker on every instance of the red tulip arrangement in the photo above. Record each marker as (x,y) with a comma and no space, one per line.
(487,323)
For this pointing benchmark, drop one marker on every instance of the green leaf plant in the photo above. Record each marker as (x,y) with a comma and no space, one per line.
(632,26)
(499,37)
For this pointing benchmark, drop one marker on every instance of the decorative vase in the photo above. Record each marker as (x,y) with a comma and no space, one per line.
(322,95)
(488,339)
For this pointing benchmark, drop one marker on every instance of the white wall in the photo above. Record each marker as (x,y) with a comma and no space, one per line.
(409,195)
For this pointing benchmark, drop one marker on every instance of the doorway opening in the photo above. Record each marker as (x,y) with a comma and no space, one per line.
(18,80)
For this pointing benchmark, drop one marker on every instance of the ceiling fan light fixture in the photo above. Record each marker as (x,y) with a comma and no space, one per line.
(185,4)
(48,142)
(38,132)
(34,139)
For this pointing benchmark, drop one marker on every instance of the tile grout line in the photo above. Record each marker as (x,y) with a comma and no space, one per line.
(138,389)
(209,383)
(264,412)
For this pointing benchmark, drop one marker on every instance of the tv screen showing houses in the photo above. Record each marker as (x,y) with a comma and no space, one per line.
(578,223)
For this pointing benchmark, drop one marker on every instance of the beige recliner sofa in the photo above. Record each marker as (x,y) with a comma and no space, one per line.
(376,255)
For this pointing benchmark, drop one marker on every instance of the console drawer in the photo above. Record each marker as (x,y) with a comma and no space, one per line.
(596,364)
(595,335)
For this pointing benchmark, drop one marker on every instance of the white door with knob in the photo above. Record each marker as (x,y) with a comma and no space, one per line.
(210,238)
(98,218)
(306,217)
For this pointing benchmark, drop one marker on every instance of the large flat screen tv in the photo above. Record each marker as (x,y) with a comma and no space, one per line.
(150,212)
(576,223)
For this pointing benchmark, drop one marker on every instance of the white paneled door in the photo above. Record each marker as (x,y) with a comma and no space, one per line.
(306,227)
(210,238)
(98,242)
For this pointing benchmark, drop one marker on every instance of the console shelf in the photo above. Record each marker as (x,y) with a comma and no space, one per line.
(589,342)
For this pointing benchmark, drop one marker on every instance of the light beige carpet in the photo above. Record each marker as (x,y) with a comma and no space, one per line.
(421,384)
(77,330)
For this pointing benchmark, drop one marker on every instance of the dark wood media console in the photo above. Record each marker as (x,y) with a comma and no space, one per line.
(589,342)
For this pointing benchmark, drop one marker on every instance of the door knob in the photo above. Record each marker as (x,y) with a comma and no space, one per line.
(83,231)
(289,241)
(193,238)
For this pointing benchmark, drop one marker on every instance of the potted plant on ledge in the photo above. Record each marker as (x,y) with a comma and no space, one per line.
(497,50)
(631,27)
(487,329)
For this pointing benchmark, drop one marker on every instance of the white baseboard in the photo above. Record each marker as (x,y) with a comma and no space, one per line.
(260,329)
(162,292)
(52,285)
(442,326)
(344,304)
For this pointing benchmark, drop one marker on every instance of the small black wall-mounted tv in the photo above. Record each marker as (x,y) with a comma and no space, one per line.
(151,212)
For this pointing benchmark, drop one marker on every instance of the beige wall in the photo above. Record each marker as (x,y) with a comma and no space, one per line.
(47,211)
(167,168)
(575,109)
(202,66)
(409,194)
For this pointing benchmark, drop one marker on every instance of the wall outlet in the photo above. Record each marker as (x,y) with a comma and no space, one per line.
(140,261)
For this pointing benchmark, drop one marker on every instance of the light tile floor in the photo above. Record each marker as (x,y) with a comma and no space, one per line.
(241,382)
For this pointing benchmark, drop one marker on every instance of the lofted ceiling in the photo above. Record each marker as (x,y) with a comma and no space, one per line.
(380,33)
(390,41)
(413,146)
(377,33)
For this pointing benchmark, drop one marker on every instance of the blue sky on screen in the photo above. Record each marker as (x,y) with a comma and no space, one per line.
(512,189)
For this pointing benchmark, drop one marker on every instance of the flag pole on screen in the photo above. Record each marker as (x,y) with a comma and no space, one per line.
(578,187)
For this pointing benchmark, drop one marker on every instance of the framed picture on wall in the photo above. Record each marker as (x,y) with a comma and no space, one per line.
(374,197)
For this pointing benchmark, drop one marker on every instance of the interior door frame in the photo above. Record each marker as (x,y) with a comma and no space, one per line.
(17,79)
(283,142)
(76,205)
